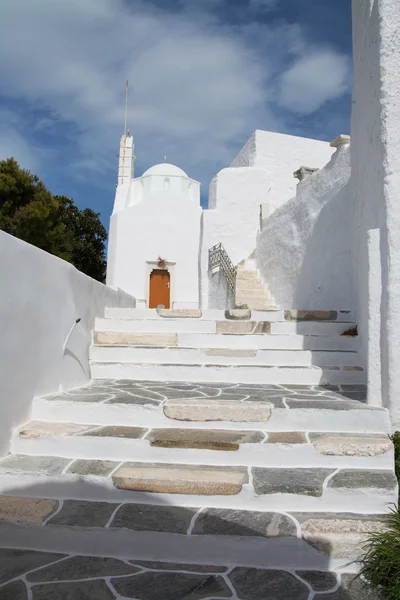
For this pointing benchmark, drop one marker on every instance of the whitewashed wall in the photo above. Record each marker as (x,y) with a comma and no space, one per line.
(220,294)
(262,173)
(41,297)
(303,250)
(375,181)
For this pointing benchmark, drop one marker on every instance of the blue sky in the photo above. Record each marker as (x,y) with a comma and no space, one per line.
(204,74)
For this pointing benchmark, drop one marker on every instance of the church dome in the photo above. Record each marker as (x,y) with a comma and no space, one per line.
(165,170)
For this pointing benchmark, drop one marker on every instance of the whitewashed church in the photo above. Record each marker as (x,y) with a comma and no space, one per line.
(160,237)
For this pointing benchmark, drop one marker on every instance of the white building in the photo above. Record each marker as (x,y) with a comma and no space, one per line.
(160,237)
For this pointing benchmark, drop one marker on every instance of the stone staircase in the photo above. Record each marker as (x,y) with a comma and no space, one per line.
(166,489)
(236,346)
(250,291)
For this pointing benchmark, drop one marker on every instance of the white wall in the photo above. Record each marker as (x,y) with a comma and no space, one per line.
(303,250)
(375,164)
(166,225)
(41,297)
(262,173)
(220,295)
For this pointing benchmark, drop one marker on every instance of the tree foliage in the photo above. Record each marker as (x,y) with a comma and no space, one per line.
(53,223)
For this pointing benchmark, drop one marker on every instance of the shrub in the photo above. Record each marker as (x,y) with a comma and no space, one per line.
(381,562)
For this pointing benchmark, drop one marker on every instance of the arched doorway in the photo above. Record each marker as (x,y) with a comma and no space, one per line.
(159,288)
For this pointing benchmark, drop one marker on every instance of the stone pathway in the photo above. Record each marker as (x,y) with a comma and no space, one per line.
(30,575)
(150,392)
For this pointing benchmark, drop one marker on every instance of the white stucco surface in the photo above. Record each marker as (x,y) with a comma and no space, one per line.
(41,298)
(159,217)
(261,174)
(375,163)
(303,250)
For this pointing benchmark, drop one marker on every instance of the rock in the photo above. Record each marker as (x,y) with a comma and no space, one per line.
(182,313)
(364,479)
(229,352)
(202,409)
(26,511)
(163,340)
(36,429)
(305,482)
(82,513)
(93,467)
(290,437)
(18,562)
(80,590)
(254,584)
(320,581)
(336,444)
(171,586)
(224,521)
(118,431)
(204,439)
(82,567)
(148,517)
(238,314)
(180,479)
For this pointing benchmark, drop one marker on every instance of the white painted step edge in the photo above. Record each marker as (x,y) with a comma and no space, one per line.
(370,420)
(222,374)
(249,455)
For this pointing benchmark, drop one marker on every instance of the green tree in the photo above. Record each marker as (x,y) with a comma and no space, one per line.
(53,223)
(89,235)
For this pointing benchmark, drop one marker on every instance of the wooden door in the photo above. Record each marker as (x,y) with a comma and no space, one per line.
(159,288)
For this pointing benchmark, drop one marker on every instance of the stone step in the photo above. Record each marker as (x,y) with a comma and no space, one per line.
(181,443)
(318,315)
(141,404)
(292,541)
(267,342)
(228,373)
(221,356)
(262,488)
(206,315)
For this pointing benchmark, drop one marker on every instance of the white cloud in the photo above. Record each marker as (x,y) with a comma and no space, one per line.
(313,80)
(198,87)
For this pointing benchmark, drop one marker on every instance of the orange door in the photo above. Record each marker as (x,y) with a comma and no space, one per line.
(159,288)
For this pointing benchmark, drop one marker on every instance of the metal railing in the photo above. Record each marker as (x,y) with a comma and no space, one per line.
(218,258)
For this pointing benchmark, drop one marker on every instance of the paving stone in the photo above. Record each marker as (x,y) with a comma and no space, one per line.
(173,393)
(48,465)
(229,352)
(160,340)
(180,479)
(337,444)
(147,517)
(82,567)
(26,511)
(18,562)
(305,482)
(286,437)
(217,410)
(243,327)
(163,566)
(181,313)
(311,315)
(320,581)
(81,513)
(221,521)
(325,404)
(352,588)
(238,314)
(36,429)
(118,431)
(341,535)
(81,590)
(134,399)
(14,591)
(92,467)
(172,586)
(260,584)
(203,438)
(365,479)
